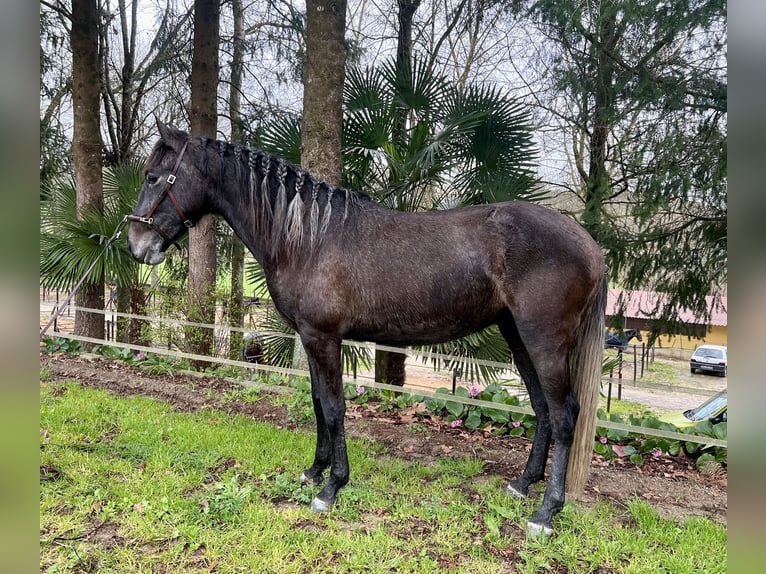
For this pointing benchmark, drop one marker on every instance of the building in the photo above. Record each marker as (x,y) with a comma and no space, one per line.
(639,307)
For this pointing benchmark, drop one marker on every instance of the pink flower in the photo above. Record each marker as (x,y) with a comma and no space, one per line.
(473,391)
(602,439)
(140,356)
(456,423)
(656,453)
(359,391)
(516,424)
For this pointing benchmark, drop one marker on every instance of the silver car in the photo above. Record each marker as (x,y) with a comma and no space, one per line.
(711,359)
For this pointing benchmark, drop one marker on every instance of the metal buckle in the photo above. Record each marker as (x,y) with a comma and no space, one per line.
(188,224)
(171,179)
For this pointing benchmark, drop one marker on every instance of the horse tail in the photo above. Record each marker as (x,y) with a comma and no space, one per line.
(585,361)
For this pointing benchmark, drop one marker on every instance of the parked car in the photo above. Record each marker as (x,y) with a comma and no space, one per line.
(714,409)
(711,359)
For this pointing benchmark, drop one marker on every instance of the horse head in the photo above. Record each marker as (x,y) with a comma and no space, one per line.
(171,199)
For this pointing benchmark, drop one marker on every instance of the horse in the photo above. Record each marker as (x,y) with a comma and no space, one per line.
(339,266)
(615,341)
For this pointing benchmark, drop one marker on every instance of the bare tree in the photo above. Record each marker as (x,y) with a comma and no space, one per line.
(128,76)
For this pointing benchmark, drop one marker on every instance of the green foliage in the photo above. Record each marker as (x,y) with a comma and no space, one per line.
(488,344)
(647,109)
(300,407)
(283,486)
(384,400)
(226,371)
(414,140)
(225,502)
(61,345)
(152,363)
(613,443)
(473,417)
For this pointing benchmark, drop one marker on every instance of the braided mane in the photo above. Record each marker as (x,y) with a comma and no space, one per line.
(288,207)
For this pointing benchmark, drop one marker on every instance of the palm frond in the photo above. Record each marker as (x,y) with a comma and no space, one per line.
(282,137)
(69,245)
(487,345)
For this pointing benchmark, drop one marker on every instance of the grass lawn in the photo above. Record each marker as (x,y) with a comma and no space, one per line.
(136,486)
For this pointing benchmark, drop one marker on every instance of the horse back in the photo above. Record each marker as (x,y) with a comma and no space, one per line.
(409,278)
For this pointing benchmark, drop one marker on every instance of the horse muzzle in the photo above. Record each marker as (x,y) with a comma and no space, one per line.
(145,246)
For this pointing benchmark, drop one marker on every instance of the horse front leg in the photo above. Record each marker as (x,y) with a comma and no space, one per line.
(330,407)
(322,454)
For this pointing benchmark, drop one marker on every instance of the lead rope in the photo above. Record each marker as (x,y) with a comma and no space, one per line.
(60,310)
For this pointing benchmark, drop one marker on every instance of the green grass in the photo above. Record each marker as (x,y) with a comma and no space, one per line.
(141,487)
(662,372)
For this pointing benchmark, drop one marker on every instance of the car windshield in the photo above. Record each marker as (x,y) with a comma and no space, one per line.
(707,409)
(712,353)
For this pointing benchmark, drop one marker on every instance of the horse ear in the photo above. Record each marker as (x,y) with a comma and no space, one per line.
(171,136)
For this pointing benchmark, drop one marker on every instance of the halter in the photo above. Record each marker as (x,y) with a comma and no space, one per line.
(169,181)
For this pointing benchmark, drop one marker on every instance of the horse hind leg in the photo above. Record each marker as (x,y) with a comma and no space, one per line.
(563,420)
(534,471)
(546,375)
(563,410)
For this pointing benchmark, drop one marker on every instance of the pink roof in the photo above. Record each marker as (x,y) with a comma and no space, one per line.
(645,305)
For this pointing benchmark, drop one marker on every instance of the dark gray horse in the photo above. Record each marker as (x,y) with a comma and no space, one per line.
(615,341)
(338,266)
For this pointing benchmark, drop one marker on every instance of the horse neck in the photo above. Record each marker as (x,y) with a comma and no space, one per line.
(278,210)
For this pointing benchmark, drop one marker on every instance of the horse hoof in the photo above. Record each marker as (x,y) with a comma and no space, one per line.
(515,493)
(318,505)
(536,530)
(304,479)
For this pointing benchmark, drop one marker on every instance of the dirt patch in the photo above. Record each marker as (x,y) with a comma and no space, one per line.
(670,484)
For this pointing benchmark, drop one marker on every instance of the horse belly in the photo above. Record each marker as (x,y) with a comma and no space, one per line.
(442,313)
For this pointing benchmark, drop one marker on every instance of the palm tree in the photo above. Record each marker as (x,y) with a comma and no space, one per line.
(416,141)
(69,245)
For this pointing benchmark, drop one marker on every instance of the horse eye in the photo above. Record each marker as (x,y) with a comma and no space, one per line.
(152,178)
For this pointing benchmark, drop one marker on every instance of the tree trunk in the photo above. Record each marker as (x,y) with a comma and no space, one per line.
(86,149)
(597,186)
(323,78)
(407,9)
(389,367)
(202,248)
(235,306)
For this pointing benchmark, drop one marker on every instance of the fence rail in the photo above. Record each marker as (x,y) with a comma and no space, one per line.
(370,382)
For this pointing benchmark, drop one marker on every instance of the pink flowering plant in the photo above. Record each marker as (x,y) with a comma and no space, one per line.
(615,443)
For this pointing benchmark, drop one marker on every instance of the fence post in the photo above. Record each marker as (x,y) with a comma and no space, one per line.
(454,380)
(619,376)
